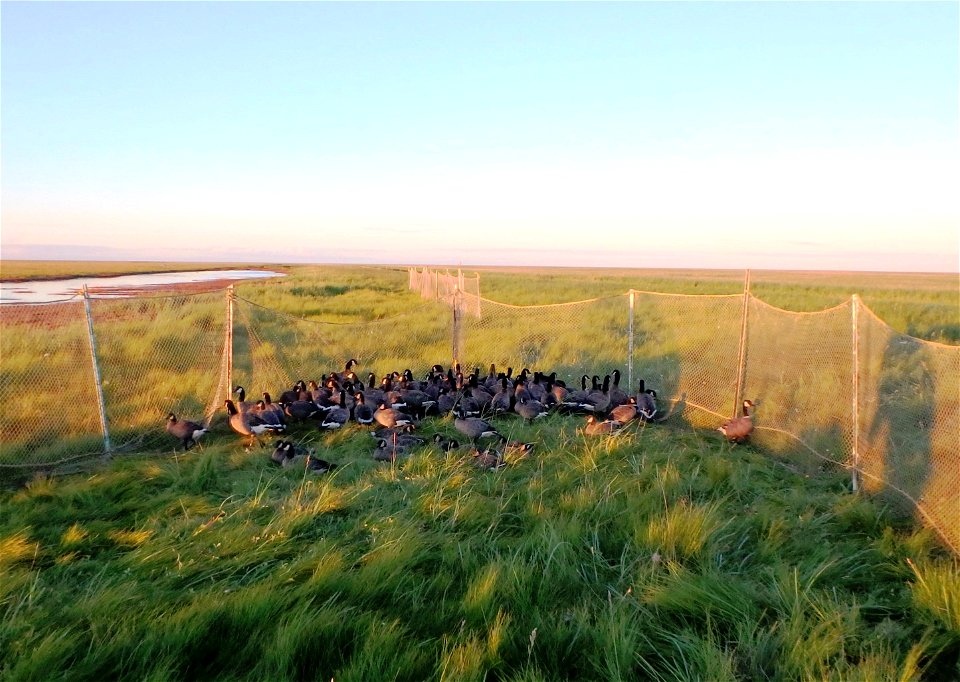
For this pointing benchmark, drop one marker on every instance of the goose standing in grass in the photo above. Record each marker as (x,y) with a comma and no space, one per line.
(301,410)
(738,430)
(187,431)
(530,409)
(503,398)
(617,395)
(646,402)
(293,394)
(269,416)
(475,428)
(242,405)
(595,427)
(248,425)
(271,406)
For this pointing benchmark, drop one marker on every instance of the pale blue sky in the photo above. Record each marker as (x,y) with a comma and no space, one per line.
(799,135)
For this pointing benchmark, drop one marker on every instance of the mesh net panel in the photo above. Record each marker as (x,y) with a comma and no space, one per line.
(273,350)
(685,348)
(46,382)
(799,372)
(909,399)
(572,339)
(159,355)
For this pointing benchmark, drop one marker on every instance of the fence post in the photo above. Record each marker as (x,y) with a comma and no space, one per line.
(98,382)
(855,374)
(741,360)
(456,327)
(228,343)
(630,342)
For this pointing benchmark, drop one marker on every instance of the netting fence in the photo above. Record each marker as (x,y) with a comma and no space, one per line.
(84,377)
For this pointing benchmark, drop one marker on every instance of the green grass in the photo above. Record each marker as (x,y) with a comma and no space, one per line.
(658,553)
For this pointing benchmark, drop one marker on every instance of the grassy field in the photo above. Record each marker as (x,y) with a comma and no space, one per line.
(661,553)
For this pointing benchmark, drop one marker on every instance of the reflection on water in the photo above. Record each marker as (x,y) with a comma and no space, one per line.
(61,289)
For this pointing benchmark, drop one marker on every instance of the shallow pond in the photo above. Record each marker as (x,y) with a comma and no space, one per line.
(46,291)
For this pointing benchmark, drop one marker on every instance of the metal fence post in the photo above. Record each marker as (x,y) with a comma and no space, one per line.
(630,342)
(855,375)
(741,360)
(456,326)
(228,343)
(98,382)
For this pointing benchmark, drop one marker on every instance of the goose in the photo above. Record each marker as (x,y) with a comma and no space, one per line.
(517,449)
(279,453)
(536,389)
(530,410)
(337,416)
(371,393)
(738,430)
(390,418)
(488,459)
(319,466)
(272,406)
(646,402)
(624,413)
(385,452)
(598,400)
(390,432)
(248,425)
(242,403)
(301,410)
(269,416)
(474,428)
(444,443)
(187,431)
(293,394)
(502,400)
(574,400)
(362,413)
(597,428)
(617,394)
(347,369)
(446,401)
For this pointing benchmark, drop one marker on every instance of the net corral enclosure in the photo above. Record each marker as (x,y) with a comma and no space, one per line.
(89,377)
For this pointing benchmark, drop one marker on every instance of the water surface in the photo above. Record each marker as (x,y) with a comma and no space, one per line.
(46,291)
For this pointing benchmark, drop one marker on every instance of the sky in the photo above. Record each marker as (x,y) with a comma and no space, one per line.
(813,136)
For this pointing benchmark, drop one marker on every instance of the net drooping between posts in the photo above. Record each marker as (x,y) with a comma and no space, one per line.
(272,350)
(51,411)
(909,420)
(159,355)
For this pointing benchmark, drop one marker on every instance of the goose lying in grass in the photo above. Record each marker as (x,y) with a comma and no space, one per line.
(444,443)
(187,431)
(594,427)
(738,430)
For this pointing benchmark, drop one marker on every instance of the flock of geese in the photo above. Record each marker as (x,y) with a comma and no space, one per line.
(398,402)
